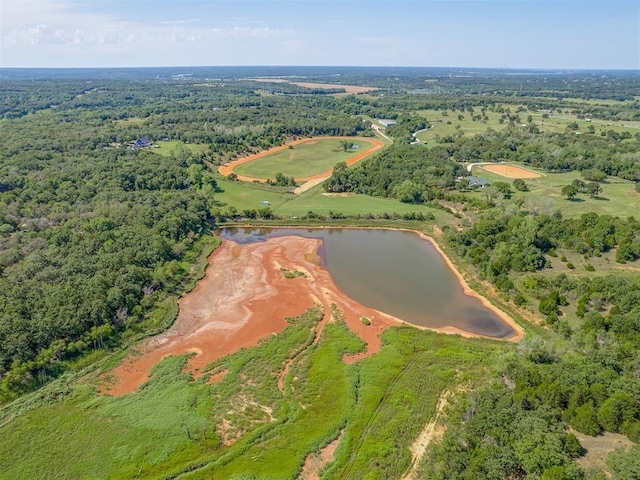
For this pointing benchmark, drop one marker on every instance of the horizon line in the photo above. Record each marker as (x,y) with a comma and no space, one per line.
(506,68)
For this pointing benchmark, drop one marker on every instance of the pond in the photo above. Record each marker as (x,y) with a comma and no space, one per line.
(393,271)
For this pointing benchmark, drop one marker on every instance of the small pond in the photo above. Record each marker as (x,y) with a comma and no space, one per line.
(393,271)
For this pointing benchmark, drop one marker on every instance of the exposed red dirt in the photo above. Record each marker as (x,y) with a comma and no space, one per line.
(510,171)
(315,462)
(227,169)
(243,298)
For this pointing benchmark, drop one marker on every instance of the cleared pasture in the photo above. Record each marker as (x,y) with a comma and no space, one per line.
(451,124)
(302,160)
(618,197)
(243,196)
(166,147)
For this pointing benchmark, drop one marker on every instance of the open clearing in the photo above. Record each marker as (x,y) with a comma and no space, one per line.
(348,89)
(509,171)
(305,159)
(461,122)
(243,196)
(598,449)
(165,148)
(618,197)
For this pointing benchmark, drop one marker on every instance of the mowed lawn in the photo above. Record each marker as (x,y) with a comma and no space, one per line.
(303,160)
(317,201)
(618,197)
(244,196)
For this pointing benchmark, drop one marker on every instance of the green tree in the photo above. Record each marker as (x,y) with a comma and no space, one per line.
(346,145)
(520,185)
(408,192)
(593,175)
(619,408)
(569,191)
(593,189)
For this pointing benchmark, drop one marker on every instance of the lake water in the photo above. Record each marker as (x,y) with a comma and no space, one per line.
(395,272)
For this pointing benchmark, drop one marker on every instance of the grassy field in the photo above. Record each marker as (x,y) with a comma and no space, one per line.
(246,196)
(303,160)
(618,197)
(243,425)
(165,148)
(451,124)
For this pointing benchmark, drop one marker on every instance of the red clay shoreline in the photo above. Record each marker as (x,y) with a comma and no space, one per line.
(518,330)
(245,297)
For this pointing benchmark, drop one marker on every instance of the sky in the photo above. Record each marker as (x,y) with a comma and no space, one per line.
(565,34)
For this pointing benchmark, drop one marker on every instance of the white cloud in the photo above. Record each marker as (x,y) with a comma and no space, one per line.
(33,30)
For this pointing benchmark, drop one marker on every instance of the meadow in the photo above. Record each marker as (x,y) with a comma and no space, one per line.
(175,427)
(453,123)
(302,160)
(618,197)
(162,147)
(243,196)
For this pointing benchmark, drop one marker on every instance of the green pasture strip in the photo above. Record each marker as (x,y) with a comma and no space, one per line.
(303,160)
(398,391)
(165,148)
(246,196)
(314,200)
(618,197)
(321,392)
(243,196)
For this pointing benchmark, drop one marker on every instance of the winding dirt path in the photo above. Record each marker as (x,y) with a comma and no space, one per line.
(432,431)
(228,168)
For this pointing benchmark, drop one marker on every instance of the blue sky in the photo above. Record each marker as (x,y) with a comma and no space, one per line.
(477,33)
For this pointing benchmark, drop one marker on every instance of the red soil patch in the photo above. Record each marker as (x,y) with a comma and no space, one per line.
(348,89)
(509,171)
(315,462)
(227,169)
(244,298)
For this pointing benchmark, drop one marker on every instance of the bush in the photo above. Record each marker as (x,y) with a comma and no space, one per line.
(520,185)
(571,266)
(589,268)
(365,321)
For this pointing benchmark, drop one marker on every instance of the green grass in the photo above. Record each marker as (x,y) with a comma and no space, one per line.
(324,386)
(90,436)
(303,160)
(314,200)
(450,125)
(248,196)
(171,425)
(618,197)
(165,148)
(131,120)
